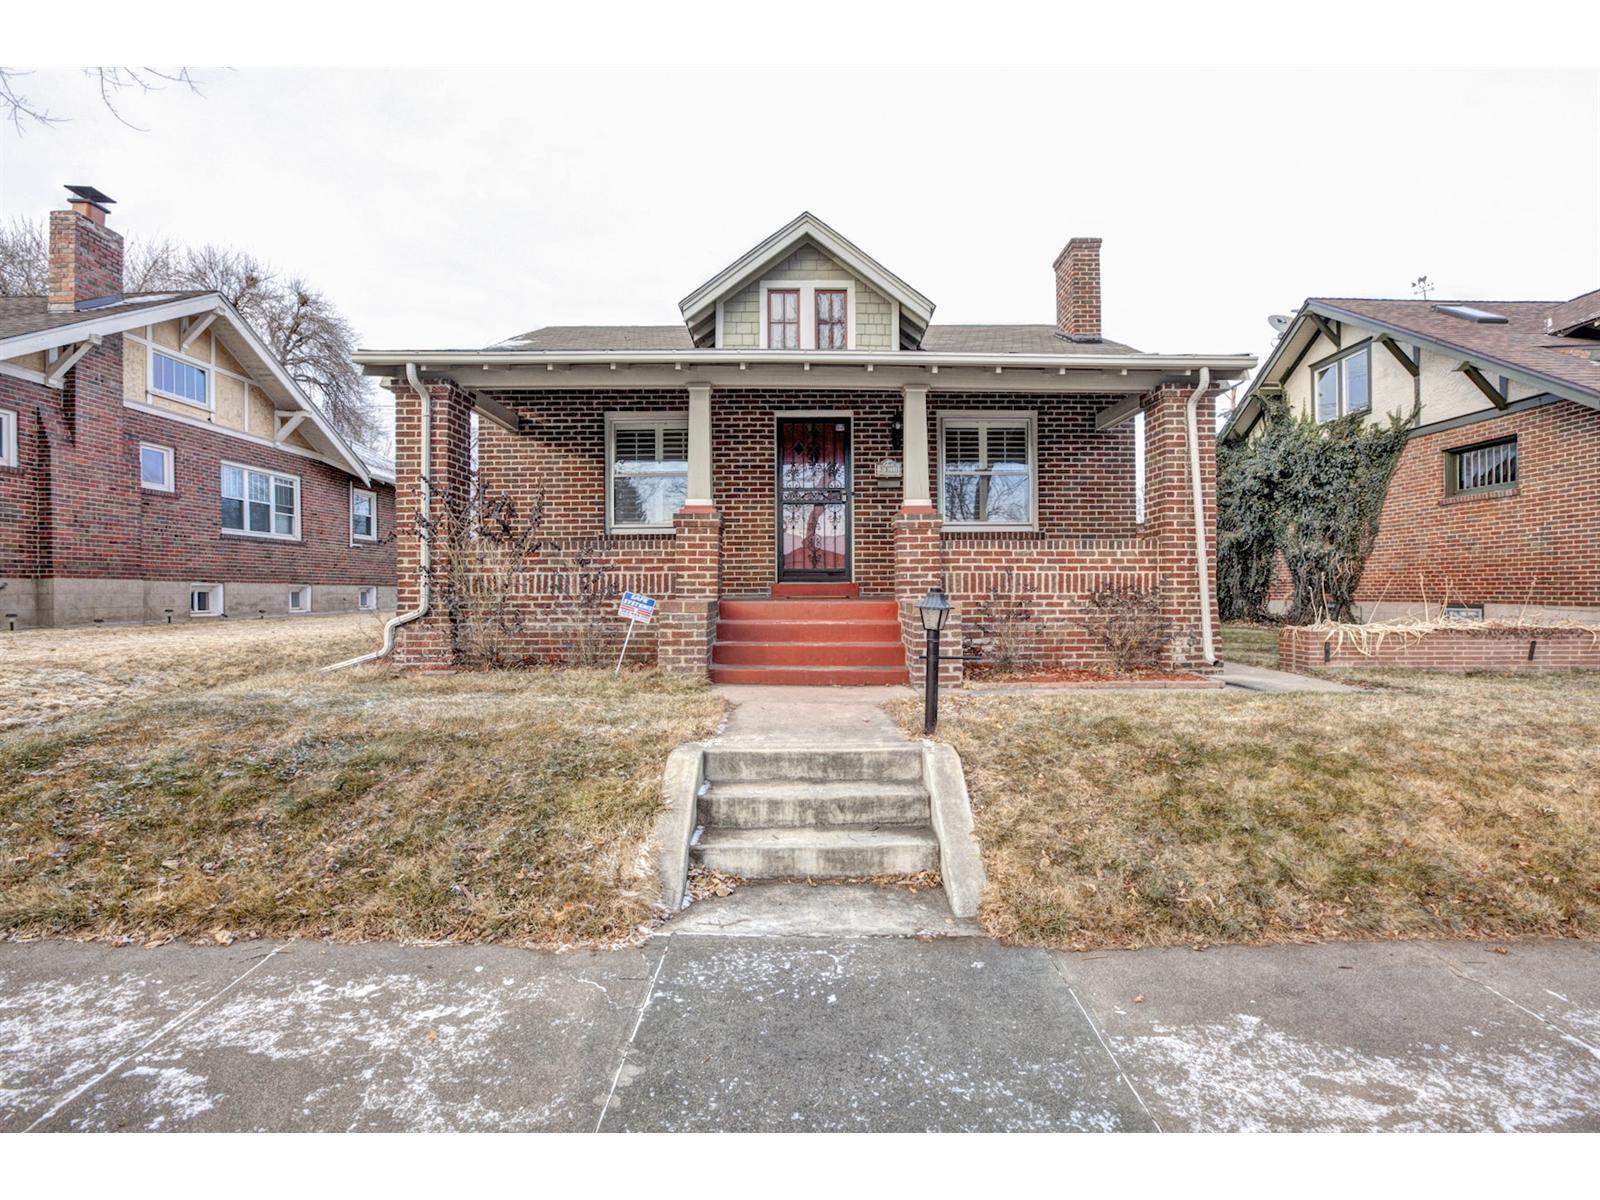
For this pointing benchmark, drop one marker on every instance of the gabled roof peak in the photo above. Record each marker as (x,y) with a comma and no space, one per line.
(699,307)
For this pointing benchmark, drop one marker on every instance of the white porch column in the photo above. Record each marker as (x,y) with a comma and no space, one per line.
(915,489)
(699,445)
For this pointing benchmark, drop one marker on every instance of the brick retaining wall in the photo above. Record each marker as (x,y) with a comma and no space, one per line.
(1491,648)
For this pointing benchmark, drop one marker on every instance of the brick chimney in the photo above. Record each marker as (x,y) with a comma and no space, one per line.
(1078,290)
(85,256)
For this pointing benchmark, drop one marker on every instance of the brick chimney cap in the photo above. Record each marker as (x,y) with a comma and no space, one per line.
(1077,243)
(84,194)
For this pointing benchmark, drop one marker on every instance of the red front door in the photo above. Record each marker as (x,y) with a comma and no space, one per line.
(813,498)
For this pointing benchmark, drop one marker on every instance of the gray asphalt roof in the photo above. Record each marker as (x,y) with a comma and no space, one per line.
(31,314)
(940,339)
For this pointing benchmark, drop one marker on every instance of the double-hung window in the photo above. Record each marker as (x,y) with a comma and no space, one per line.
(833,326)
(1344,385)
(986,471)
(260,503)
(8,437)
(179,380)
(783,319)
(363,515)
(648,469)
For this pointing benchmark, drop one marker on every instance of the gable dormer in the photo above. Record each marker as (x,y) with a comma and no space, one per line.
(806,288)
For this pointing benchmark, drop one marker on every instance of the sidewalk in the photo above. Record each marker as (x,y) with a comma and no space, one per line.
(699,1031)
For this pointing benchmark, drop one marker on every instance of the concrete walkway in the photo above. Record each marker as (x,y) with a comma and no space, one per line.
(832,718)
(697,1031)
(1274,682)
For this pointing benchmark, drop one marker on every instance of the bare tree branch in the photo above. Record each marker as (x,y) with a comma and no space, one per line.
(24,258)
(110,82)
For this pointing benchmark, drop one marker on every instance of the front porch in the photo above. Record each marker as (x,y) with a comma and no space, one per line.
(806,523)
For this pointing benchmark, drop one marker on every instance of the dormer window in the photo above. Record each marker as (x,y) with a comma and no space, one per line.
(832,323)
(783,319)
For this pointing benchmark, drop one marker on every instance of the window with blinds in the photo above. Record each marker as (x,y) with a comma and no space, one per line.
(1491,467)
(986,472)
(648,465)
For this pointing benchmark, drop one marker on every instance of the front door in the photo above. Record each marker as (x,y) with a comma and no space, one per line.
(813,498)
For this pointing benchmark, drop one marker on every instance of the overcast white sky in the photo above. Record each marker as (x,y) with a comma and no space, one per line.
(445,209)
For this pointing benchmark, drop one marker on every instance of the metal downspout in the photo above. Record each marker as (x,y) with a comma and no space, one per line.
(425,545)
(1202,570)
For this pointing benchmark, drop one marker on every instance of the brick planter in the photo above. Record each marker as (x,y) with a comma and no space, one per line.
(1490,648)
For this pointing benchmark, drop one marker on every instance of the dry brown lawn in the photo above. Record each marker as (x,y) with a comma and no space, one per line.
(1427,806)
(173,782)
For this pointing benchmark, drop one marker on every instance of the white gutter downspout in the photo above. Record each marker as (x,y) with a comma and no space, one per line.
(424,542)
(1207,647)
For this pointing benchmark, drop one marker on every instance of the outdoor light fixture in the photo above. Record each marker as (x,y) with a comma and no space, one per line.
(935,610)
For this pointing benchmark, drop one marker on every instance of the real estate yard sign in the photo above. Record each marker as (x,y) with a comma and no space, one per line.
(636,609)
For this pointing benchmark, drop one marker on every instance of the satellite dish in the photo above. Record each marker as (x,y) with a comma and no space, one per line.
(1279,322)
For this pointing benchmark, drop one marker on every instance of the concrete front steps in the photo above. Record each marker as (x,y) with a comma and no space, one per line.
(761,811)
(808,639)
(782,814)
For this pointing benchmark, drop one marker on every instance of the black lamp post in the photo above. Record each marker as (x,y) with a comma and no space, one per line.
(934,609)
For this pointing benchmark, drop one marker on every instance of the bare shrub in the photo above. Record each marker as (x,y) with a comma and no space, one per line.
(482,544)
(1000,626)
(592,592)
(1128,622)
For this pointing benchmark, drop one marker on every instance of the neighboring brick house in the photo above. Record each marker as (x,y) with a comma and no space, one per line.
(790,469)
(1494,508)
(156,460)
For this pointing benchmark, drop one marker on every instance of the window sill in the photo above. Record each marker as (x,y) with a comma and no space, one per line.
(184,400)
(970,528)
(360,539)
(261,537)
(641,531)
(165,491)
(1505,493)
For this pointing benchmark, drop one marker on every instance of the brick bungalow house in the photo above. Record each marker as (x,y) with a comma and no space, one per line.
(794,465)
(157,461)
(1494,508)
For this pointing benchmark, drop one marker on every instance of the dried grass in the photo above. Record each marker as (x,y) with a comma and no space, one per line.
(208,785)
(1426,806)
(1368,638)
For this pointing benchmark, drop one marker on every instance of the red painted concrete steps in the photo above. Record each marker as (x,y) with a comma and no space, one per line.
(807,639)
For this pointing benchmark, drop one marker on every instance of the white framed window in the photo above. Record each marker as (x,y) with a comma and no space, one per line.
(363,515)
(8,437)
(300,598)
(179,379)
(647,471)
(205,600)
(260,503)
(155,467)
(1343,385)
(808,314)
(367,598)
(986,470)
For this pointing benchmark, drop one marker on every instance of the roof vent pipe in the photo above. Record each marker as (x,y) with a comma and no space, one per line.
(425,545)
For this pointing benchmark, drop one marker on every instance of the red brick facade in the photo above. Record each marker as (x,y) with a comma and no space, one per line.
(73,507)
(1086,504)
(1306,647)
(1535,544)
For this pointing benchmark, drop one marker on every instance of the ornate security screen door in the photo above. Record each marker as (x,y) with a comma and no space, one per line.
(814,498)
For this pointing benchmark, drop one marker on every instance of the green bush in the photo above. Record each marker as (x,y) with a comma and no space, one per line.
(1310,492)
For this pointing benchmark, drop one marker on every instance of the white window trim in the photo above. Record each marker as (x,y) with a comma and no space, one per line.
(1338,364)
(168,457)
(364,591)
(152,349)
(618,420)
(270,474)
(1023,417)
(808,289)
(218,606)
(299,587)
(363,537)
(9,420)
